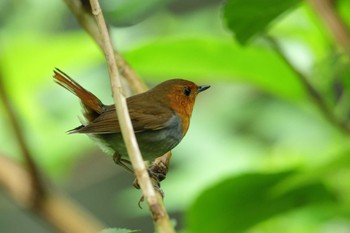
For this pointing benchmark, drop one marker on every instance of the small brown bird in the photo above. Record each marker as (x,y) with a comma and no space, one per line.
(160,117)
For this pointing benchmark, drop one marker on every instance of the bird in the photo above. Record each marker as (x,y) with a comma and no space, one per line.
(160,117)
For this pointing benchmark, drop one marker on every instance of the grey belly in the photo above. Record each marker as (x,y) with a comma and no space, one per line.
(152,143)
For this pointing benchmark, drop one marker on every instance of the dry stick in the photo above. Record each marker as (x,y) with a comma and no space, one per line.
(314,94)
(334,23)
(26,187)
(35,179)
(58,210)
(160,217)
(86,20)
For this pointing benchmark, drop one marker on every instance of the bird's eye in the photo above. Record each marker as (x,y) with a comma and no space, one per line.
(187,91)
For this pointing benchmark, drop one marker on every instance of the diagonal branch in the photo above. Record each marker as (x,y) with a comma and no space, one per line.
(313,93)
(86,20)
(337,28)
(63,214)
(160,217)
(25,185)
(35,179)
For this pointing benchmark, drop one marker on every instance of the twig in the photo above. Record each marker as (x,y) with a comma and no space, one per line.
(87,21)
(333,22)
(58,210)
(25,185)
(35,180)
(160,217)
(313,93)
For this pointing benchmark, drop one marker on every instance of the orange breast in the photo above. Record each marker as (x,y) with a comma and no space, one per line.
(183,106)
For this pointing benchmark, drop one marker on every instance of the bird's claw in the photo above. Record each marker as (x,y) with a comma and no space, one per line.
(155,179)
(157,175)
(157,172)
(142,199)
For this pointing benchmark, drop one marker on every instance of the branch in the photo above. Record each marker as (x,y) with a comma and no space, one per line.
(58,210)
(82,11)
(86,20)
(313,93)
(333,22)
(27,188)
(160,217)
(34,176)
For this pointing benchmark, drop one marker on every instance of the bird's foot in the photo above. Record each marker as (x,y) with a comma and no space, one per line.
(157,172)
(158,189)
(124,163)
(156,177)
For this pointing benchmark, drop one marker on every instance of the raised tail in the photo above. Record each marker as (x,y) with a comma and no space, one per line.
(93,107)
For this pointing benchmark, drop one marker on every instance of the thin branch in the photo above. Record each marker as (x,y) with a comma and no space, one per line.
(17,181)
(35,179)
(313,93)
(87,21)
(62,213)
(160,217)
(25,185)
(333,22)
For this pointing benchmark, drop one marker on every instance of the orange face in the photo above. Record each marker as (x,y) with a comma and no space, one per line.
(182,95)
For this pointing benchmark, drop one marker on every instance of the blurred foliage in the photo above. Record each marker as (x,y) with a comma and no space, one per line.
(249,199)
(220,60)
(259,157)
(246,18)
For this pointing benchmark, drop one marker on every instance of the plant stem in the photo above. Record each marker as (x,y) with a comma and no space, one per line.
(333,22)
(313,93)
(61,212)
(36,182)
(87,22)
(160,217)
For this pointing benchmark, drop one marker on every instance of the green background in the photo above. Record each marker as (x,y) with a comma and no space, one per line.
(260,156)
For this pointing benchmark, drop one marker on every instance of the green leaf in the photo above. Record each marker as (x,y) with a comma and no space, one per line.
(216,59)
(249,18)
(118,230)
(238,203)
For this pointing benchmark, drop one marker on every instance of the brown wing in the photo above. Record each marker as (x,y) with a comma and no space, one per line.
(144,116)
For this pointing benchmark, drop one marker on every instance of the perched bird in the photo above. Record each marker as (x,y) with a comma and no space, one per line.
(160,117)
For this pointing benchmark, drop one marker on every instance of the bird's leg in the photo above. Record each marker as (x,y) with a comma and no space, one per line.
(155,184)
(157,172)
(154,179)
(122,162)
(157,188)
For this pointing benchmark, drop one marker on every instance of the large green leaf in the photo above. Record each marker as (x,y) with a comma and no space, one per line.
(216,59)
(248,18)
(238,203)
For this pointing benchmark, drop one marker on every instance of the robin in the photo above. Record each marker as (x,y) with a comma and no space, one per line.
(160,117)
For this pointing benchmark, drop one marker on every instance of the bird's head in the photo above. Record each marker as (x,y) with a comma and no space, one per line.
(180,94)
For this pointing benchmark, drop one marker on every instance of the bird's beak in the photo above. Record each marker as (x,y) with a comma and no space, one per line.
(202,88)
